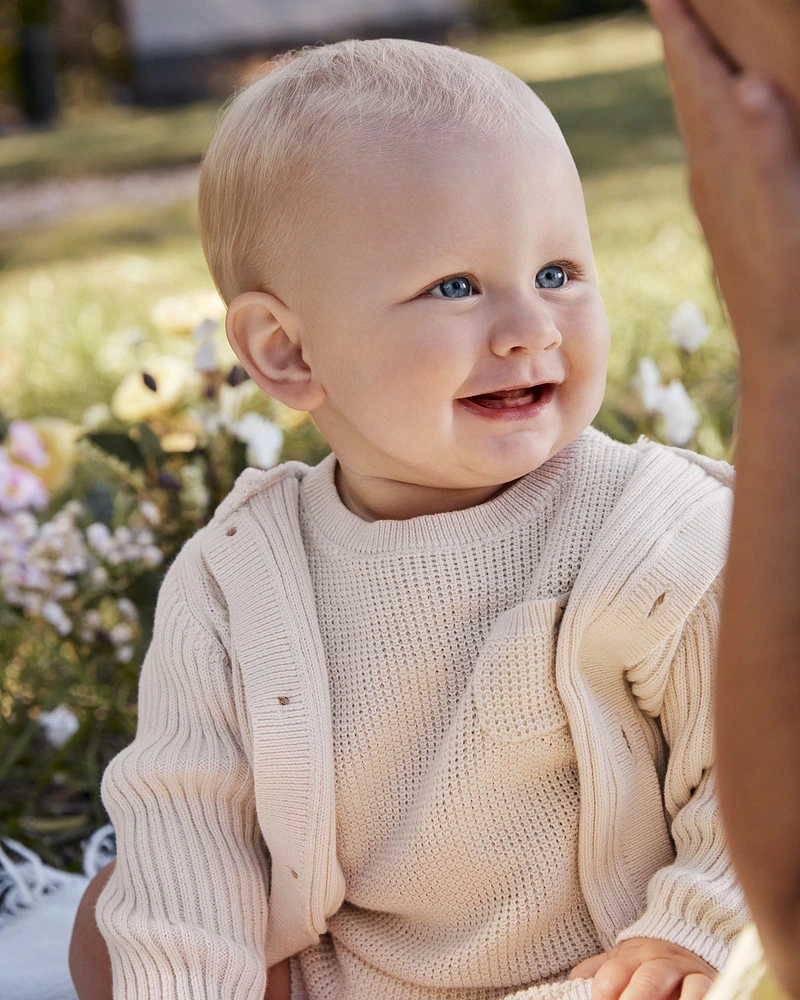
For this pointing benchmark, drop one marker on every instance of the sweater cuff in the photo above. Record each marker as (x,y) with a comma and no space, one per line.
(666,927)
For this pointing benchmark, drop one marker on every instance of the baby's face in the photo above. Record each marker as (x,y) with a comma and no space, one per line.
(436,276)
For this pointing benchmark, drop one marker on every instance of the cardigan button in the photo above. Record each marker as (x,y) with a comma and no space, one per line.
(231,531)
(283,700)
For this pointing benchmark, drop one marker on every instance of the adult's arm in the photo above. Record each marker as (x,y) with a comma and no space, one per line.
(744,164)
(763,35)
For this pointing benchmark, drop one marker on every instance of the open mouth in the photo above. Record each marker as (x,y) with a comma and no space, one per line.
(512,398)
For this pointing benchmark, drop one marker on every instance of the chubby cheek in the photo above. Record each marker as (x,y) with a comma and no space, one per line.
(420,364)
(381,374)
(586,345)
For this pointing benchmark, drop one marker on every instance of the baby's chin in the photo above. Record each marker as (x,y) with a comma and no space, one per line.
(515,455)
(519,436)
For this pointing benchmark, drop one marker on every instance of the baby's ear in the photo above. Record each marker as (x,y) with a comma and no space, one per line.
(265,334)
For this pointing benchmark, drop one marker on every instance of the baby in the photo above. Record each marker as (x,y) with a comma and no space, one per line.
(430,720)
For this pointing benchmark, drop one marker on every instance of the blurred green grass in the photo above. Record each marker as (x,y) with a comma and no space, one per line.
(109,140)
(116,139)
(71,294)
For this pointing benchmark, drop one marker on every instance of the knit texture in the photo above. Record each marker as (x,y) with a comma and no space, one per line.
(456,780)
(261,697)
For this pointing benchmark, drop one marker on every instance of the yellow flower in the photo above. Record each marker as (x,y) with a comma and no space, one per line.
(179,441)
(178,431)
(58,437)
(180,314)
(175,381)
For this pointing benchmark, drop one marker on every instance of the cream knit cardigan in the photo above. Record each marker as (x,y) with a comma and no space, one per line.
(224,803)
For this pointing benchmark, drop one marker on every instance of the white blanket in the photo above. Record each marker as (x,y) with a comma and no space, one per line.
(37,910)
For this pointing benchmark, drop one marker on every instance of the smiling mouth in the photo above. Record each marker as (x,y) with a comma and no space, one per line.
(510,399)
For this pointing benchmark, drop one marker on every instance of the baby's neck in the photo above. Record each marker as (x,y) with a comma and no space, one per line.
(377,499)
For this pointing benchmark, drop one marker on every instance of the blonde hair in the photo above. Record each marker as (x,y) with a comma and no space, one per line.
(315,103)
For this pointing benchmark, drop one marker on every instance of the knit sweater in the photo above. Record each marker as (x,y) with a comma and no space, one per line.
(456,779)
(224,805)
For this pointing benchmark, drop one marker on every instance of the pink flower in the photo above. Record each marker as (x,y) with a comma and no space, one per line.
(19,488)
(25,444)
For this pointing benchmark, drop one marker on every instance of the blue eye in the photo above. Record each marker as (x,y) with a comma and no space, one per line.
(551,276)
(459,287)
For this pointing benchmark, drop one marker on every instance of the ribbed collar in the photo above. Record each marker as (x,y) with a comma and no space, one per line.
(517,503)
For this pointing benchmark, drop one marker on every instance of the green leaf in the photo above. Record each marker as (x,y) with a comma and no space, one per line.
(147,440)
(100,501)
(120,446)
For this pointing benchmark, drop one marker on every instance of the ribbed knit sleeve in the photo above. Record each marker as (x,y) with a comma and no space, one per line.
(695,902)
(184,913)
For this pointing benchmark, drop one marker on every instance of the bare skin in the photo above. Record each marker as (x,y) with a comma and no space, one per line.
(89,962)
(763,35)
(743,144)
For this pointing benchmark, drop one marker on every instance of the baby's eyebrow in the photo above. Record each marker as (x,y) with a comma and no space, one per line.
(449,257)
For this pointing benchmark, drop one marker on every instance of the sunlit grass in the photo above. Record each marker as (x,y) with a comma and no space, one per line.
(564,51)
(109,140)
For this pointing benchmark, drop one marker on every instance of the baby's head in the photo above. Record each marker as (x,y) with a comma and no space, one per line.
(398,226)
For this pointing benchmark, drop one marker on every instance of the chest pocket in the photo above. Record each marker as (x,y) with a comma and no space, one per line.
(514,684)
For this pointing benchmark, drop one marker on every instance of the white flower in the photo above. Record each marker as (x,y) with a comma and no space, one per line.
(204,332)
(99,576)
(99,537)
(128,609)
(32,576)
(149,512)
(32,602)
(263,438)
(688,328)
(93,619)
(205,357)
(57,617)
(152,556)
(131,553)
(121,633)
(234,399)
(125,654)
(648,384)
(59,725)
(679,412)
(25,525)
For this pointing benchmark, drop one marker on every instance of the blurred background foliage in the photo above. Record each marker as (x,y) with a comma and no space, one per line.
(98,248)
(89,44)
(514,13)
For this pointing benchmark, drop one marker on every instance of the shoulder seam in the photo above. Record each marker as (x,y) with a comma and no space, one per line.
(252,482)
